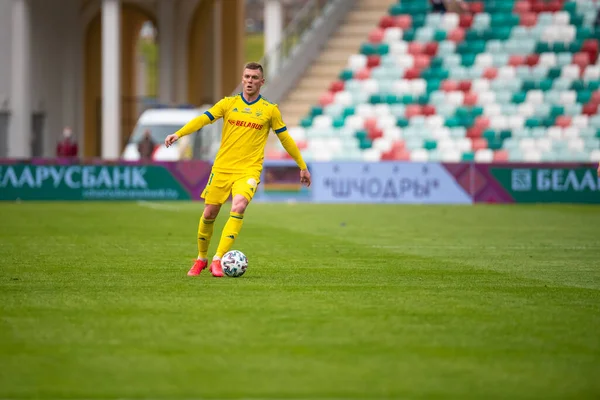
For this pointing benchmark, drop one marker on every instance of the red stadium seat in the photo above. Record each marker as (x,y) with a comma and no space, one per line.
(532,59)
(412,110)
(515,60)
(374,133)
(387,21)
(326,98)
(476,7)
(302,144)
(500,156)
(449,85)
(422,61)
(521,7)
(475,132)
(582,59)
(362,74)
(431,49)
(403,21)
(388,155)
(538,7)
(482,122)
(490,73)
(470,99)
(412,73)
(479,143)
(373,61)
(590,46)
(336,86)
(457,35)
(465,21)
(370,123)
(554,6)
(428,110)
(528,19)
(415,48)
(563,121)
(464,86)
(376,35)
(590,109)
(399,151)
(398,145)
(402,155)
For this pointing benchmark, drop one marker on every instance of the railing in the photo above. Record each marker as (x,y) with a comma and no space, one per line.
(307,50)
(292,35)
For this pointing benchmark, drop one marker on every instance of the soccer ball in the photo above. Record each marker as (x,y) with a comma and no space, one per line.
(234,263)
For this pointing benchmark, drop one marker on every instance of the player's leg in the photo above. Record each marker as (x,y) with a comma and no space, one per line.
(232,228)
(243,191)
(205,232)
(234,224)
(215,193)
(205,229)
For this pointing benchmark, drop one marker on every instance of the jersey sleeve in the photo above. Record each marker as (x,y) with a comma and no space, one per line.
(277,121)
(218,110)
(208,117)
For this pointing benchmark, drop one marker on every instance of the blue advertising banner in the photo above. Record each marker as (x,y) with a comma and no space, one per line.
(386,182)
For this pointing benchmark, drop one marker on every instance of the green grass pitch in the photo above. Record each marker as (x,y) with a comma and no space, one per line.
(339,301)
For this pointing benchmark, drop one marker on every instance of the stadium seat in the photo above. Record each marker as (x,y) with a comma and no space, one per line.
(513,81)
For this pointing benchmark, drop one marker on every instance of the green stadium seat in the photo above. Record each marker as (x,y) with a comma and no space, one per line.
(316,110)
(346,74)
(306,122)
(368,49)
(430,144)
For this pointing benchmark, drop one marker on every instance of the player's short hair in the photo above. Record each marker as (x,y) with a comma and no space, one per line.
(254,66)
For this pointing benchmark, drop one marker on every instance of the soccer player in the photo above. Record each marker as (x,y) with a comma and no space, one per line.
(247,119)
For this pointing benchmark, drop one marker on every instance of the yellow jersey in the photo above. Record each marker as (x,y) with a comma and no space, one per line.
(246,127)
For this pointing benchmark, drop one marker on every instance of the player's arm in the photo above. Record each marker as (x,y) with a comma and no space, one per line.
(292,149)
(289,145)
(214,113)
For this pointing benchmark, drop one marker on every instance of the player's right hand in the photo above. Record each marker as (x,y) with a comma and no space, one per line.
(171,139)
(305,177)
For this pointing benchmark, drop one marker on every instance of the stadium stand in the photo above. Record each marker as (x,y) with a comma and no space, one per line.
(509,81)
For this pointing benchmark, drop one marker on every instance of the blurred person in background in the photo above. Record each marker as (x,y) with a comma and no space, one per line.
(456,6)
(67,146)
(146,146)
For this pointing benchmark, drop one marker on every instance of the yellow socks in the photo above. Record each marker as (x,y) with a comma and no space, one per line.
(205,231)
(230,231)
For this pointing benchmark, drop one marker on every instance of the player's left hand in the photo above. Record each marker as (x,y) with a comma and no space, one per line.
(305,177)
(599,169)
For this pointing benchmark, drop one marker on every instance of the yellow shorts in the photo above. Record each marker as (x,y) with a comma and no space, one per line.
(220,185)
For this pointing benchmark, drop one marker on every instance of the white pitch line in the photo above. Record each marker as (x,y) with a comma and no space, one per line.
(158,206)
(467,247)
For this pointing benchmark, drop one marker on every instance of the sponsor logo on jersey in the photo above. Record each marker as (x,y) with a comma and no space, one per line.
(245,124)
